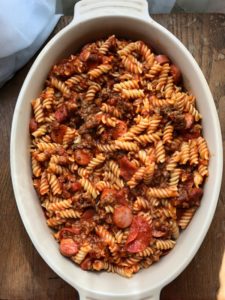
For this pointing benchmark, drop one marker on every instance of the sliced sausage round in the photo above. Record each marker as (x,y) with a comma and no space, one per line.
(122,216)
(68,247)
(139,236)
(176,73)
(162,59)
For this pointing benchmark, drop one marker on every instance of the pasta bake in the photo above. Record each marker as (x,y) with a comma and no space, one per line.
(118,156)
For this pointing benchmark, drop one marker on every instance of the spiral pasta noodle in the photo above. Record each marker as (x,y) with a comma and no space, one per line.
(104,68)
(126,85)
(38,110)
(86,184)
(162,192)
(111,109)
(60,86)
(99,159)
(132,64)
(48,98)
(106,45)
(91,92)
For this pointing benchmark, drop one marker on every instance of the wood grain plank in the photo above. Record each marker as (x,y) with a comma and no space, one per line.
(23,273)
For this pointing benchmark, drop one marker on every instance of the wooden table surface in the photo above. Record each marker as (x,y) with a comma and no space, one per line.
(23,273)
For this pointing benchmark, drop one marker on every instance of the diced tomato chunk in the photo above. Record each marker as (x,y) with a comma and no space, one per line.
(112,101)
(119,130)
(191,135)
(127,169)
(122,196)
(61,114)
(108,195)
(75,186)
(82,157)
(33,126)
(58,133)
(195,194)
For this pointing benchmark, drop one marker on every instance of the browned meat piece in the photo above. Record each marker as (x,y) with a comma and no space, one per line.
(68,67)
(61,114)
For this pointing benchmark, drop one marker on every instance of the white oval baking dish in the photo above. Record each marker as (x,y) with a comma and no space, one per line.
(129,19)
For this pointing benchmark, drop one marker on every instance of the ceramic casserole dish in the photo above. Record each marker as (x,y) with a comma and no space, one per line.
(93,20)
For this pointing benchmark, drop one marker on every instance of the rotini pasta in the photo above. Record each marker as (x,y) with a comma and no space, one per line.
(160,152)
(60,86)
(86,184)
(141,203)
(107,44)
(48,98)
(61,205)
(38,110)
(149,173)
(138,176)
(132,94)
(111,109)
(168,133)
(101,69)
(162,192)
(68,213)
(96,161)
(126,85)
(186,217)
(132,64)
(54,184)
(91,92)
(165,244)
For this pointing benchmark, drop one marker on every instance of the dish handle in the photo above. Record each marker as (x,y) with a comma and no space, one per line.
(89,9)
(154,296)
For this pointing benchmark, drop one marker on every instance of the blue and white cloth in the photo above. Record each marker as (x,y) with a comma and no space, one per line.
(25,26)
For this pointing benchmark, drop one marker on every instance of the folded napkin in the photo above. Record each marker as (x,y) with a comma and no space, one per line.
(25,26)
(161,6)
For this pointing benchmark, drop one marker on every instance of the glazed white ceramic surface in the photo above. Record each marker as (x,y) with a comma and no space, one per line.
(93,20)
